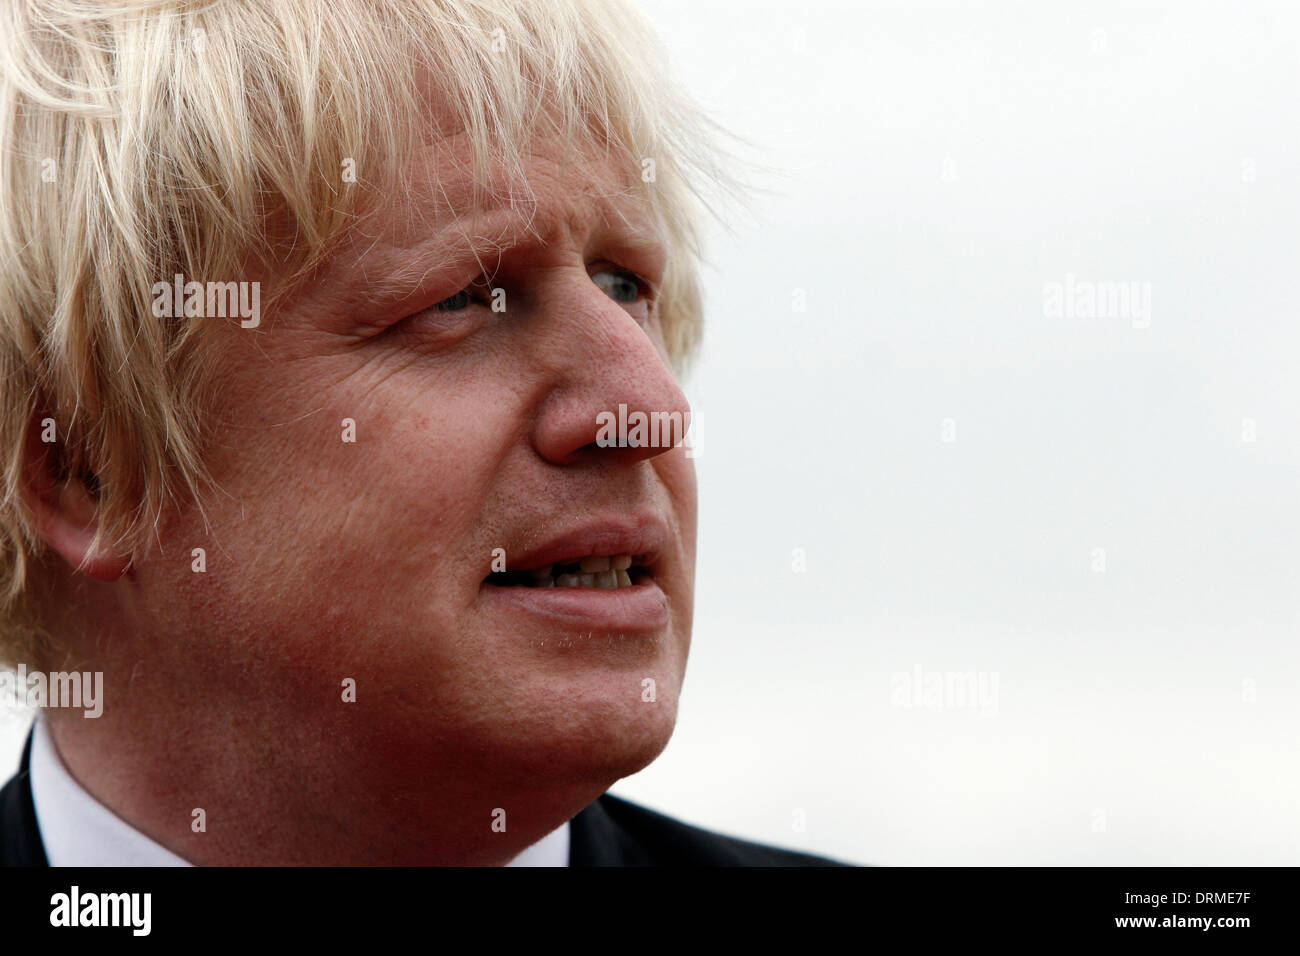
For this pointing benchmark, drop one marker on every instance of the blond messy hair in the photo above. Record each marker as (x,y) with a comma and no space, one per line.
(143,140)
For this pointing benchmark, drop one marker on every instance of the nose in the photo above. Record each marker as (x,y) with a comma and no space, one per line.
(615,398)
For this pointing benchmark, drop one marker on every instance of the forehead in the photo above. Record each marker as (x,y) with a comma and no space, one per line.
(556,193)
(441,220)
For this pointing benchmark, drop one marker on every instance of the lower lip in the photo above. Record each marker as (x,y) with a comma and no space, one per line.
(642,607)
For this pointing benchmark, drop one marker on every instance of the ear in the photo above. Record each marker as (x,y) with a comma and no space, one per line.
(65,506)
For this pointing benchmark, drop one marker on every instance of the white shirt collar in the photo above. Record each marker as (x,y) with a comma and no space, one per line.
(78,830)
(550,850)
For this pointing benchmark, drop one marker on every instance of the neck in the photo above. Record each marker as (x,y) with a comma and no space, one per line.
(239,792)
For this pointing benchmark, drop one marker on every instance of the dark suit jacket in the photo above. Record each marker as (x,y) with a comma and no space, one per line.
(608,832)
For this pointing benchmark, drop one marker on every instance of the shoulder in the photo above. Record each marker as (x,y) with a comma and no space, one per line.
(616,832)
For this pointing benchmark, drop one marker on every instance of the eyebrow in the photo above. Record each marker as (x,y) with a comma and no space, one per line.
(409,271)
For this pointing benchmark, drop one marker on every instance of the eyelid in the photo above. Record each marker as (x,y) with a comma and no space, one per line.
(478,290)
(649,288)
(481,289)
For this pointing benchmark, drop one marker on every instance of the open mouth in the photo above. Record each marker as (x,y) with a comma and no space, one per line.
(603,572)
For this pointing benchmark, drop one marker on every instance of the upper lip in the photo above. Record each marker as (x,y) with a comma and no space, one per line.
(643,537)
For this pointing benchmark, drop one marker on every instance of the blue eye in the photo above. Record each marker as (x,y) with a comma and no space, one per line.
(455,303)
(618,285)
(621,286)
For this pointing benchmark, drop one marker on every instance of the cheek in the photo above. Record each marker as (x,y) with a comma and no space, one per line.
(335,516)
(337,547)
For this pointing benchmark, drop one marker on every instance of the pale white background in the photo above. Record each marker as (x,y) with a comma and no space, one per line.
(1106,140)
(940,164)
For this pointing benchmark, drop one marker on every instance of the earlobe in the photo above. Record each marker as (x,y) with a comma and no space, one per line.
(64,509)
(76,544)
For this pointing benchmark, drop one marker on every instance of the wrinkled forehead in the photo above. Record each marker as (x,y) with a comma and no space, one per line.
(553,182)
(555,191)
(445,217)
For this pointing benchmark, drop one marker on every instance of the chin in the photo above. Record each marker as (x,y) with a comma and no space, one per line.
(588,743)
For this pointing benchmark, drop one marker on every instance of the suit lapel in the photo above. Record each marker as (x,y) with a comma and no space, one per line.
(595,839)
(20,837)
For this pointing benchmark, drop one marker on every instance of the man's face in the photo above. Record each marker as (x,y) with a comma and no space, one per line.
(475,430)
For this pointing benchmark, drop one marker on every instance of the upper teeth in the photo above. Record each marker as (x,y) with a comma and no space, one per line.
(603,572)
